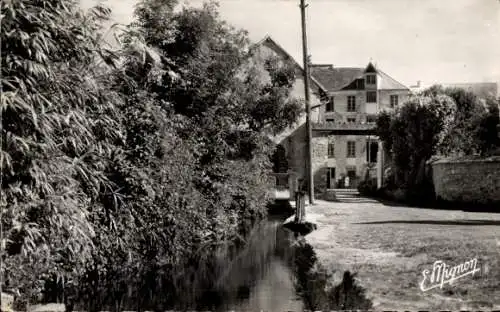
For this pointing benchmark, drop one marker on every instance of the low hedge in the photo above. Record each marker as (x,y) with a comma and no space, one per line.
(368,187)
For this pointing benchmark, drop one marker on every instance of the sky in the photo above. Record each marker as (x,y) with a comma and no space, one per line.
(435,41)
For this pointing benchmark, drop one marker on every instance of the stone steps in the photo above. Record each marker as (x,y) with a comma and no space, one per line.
(345,191)
(350,196)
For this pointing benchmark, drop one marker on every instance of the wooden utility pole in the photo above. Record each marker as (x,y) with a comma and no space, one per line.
(308,104)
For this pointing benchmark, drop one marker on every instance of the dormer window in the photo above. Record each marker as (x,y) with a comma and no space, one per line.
(371,79)
(360,84)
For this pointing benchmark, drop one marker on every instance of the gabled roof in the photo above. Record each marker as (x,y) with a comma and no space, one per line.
(326,77)
(335,78)
(389,83)
(276,47)
(370,68)
(348,78)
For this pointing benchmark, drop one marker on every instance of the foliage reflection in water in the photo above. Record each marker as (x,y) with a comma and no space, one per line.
(274,269)
(278,271)
(258,277)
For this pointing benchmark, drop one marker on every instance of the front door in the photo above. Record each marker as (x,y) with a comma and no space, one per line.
(351,173)
(330,178)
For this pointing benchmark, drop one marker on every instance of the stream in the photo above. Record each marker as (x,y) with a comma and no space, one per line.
(277,271)
(261,278)
(274,269)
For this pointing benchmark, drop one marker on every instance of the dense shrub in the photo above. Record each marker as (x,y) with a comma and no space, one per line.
(368,187)
(313,284)
(412,135)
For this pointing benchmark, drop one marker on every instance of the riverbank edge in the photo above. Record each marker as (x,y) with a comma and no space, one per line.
(338,292)
(336,277)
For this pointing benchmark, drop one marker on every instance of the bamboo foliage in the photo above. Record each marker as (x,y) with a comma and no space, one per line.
(54,138)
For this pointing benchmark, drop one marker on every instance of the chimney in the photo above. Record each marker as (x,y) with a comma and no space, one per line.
(417,86)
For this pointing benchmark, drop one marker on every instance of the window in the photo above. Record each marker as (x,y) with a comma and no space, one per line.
(371,79)
(330,106)
(371,119)
(351,149)
(351,119)
(330,120)
(331,150)
(371,96)
(394,100)
(351,103)
(360,84)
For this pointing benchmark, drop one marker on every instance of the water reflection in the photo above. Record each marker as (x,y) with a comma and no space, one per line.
(272,270)
(278,272)
(259,277)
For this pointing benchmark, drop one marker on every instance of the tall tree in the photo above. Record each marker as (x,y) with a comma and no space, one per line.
(414,133)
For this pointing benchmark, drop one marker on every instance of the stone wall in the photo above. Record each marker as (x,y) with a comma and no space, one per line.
(7,305)
(7,302)
(474,181)
(320,159)
(296,151)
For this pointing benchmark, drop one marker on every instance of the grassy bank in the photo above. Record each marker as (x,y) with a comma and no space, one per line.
(389,247)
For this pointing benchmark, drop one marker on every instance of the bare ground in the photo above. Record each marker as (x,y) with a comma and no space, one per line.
(390,254)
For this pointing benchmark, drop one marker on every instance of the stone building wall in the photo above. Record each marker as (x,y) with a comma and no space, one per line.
(321,161)
(467,181)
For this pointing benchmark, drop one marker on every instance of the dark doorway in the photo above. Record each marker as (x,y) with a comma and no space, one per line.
(371,151)
(351,173)
(279,160)
(330,178)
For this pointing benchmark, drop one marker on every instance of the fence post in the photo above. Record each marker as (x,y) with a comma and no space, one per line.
(297,204)
(302,208)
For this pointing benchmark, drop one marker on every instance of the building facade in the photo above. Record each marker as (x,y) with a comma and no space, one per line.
(292,141)
(347,121)
(344,103)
